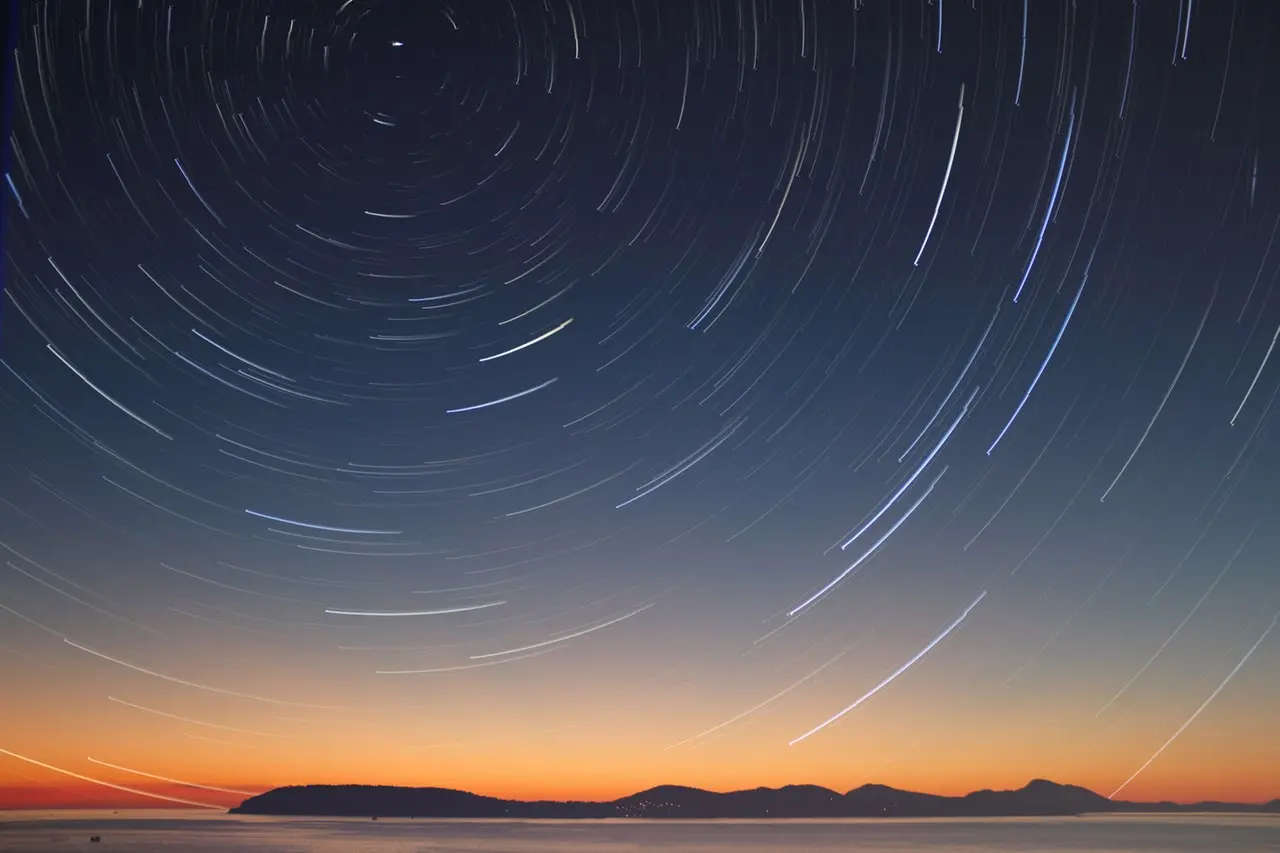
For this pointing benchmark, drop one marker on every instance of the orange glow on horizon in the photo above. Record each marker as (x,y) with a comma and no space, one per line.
(901,741)
(40,791)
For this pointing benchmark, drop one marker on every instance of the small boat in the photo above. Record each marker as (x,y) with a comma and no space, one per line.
(95,838)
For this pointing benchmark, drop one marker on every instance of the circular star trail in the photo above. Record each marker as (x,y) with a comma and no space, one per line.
(558,398)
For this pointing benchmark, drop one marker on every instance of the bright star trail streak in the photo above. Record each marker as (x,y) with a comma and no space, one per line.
(465,666)
(173,781)
(1173,383)
(500,400)
(180,801)
(1172,636)
(1198,711)
(572,636)
(186,683)
(106,396)
(1052,205)
(191,720)
(915,475)
(528,343)
(441,612)
(1253,383)
(540,384)
(853,567)
(952,390)
(893,677)
(946,176)
(321,526)
(1022,51)
(758,706)
(1017,410)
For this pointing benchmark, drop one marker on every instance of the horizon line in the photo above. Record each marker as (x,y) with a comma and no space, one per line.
(168,804)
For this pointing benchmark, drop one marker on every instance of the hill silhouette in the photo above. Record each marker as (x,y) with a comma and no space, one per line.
(1039,798)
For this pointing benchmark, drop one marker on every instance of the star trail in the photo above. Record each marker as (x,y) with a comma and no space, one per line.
(494,395)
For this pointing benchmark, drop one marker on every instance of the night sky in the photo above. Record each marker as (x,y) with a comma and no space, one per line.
(554,399)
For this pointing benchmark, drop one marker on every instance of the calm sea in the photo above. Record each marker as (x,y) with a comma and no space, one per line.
(142,832)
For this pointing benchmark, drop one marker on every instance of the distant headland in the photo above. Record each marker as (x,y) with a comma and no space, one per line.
(1039,798)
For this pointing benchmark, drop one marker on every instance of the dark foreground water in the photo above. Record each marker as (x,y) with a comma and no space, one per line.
(166,831)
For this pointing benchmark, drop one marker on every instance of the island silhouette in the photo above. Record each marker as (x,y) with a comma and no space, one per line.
(1039,798)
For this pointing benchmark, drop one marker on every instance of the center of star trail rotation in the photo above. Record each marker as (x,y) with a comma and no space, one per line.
(555,399)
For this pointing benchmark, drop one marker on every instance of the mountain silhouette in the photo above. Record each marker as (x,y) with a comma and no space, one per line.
(1039,798)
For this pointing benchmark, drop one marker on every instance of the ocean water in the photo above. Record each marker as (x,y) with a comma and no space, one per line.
(139,832)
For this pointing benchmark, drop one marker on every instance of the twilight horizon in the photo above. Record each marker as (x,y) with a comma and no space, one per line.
(552,401)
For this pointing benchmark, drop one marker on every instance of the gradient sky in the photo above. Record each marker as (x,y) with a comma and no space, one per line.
(573,351)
